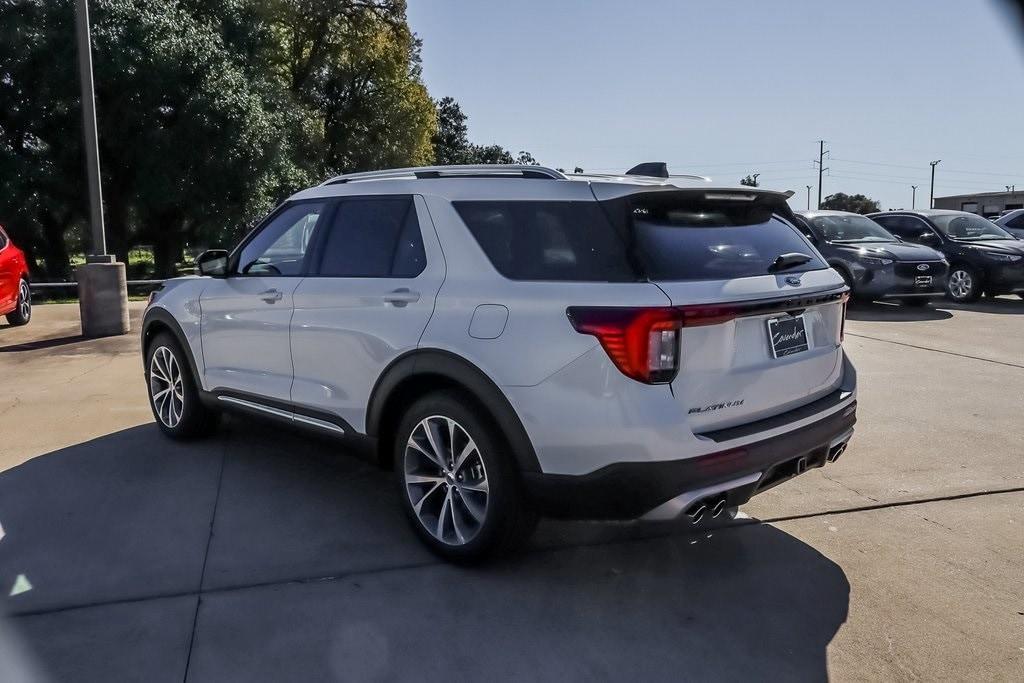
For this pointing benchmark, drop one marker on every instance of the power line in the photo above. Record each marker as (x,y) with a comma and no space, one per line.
(949,170)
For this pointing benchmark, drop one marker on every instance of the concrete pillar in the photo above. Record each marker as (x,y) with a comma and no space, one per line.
(102,297)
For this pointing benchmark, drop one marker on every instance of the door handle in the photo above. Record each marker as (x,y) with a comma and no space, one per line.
(271,295)
(402,297)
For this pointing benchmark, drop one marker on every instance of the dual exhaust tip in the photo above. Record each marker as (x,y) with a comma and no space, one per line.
(709,508)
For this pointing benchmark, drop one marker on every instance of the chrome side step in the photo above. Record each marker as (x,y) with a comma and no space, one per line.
(284,414)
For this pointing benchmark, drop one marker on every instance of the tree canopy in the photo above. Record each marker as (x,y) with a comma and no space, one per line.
(855,203)
(209,113)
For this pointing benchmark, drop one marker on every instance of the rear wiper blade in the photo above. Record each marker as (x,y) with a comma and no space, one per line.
(787,261)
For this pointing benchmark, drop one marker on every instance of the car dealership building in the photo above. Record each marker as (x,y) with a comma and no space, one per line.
(989,204)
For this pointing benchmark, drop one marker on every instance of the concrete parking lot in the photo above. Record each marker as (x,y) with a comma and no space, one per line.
(266,555)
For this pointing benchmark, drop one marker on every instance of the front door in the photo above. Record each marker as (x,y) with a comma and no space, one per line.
(246,316)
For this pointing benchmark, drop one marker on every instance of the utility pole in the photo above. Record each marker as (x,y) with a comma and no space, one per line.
(913,196)
(931,198)
(809,197)
(821,166)
(102,286)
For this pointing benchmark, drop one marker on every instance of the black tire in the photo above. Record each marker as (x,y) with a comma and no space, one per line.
(22,312)
(194,419)
(493,522)
(916,302)
(972,289)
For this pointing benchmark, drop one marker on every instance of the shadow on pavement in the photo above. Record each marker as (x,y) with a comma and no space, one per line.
(43,344)
(311,573)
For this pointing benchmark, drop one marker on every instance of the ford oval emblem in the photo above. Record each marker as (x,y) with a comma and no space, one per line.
(791,280)
(922,266)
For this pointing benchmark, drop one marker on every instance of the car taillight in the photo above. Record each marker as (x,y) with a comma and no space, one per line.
(842,320)
(642,342)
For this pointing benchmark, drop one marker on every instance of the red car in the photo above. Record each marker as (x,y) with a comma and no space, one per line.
(15,295)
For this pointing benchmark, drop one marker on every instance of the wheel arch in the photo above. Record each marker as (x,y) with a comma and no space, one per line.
(159,320)
(420,372)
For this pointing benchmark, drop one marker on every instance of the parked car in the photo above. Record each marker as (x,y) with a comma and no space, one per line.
(518,342)
(983,257)
(1012,222)
(15,294)
(874,263)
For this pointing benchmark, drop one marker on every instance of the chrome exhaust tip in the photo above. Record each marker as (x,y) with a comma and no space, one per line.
(836,451)
(801,465)
(718,508)
(696,512)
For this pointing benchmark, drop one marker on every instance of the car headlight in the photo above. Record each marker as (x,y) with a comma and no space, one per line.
(1003,258)
(873,261)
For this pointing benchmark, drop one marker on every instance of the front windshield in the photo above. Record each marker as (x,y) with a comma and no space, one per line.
(851,228)
(967,226)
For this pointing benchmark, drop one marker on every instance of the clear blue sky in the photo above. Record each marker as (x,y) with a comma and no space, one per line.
(730,88)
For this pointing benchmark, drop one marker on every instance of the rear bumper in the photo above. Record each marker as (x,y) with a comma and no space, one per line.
(630,490)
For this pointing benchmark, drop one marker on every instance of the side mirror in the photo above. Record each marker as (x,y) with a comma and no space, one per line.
(213,263)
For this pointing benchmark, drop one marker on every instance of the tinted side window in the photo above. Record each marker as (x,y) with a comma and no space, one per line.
(548,240)
(1016,223)
(374,237)
(281,246)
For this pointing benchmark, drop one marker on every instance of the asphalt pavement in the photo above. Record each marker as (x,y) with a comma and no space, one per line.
(264,554)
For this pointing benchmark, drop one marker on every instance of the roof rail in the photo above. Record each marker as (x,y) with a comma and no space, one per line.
(465,171)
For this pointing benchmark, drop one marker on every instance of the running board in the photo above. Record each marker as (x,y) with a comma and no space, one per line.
(283,414)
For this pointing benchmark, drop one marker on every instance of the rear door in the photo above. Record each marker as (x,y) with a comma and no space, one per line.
(366,302)
(764,335)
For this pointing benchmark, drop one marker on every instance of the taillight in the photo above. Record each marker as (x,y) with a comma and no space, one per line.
(642,342)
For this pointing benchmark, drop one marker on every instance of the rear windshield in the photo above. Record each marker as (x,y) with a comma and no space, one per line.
(699,240)
(529,240)
(659,237)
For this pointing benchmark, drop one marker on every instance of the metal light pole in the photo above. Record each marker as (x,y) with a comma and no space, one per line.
(809,197)
(931,196)
(913,196)
(102,285)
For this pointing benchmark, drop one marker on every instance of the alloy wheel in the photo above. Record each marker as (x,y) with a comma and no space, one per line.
(166,387)
(24,300)
(960,284)
(446,480)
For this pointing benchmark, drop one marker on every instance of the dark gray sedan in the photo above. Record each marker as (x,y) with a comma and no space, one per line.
(874,262)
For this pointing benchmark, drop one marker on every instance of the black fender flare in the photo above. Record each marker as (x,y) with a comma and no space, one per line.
(157,317)
(460,372)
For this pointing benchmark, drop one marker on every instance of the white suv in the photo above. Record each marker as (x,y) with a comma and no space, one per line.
(521,342)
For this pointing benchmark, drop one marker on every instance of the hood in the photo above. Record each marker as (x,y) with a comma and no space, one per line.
(1000,246)
(898,251)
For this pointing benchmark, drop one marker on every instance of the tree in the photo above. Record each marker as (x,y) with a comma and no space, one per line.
(451,141)
(209,113)
(750,180)
(856,203)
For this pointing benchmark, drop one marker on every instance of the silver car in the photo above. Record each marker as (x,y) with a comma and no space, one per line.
(1012,222)
(518,342)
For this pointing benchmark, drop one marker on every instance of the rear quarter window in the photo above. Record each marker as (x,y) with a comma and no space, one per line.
(548,240)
